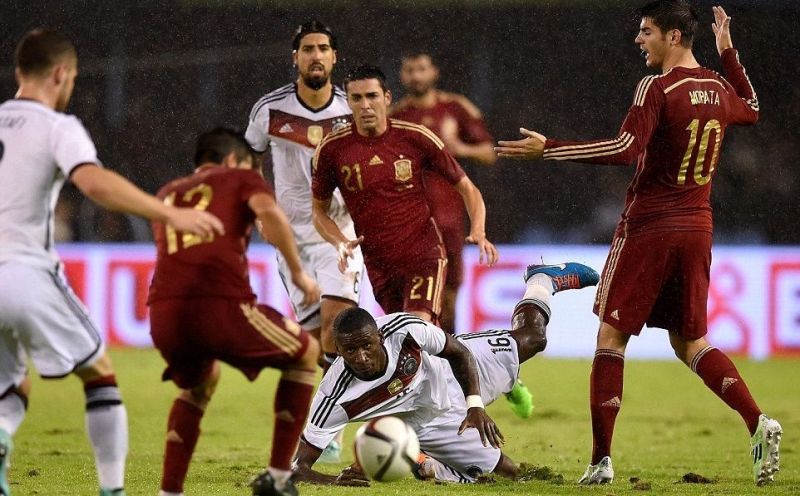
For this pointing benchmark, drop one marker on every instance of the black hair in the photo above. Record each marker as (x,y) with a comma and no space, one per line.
(366,71)
(41,49)
(353,319)
(313,26)
(213,146)
(416,54)
(672,14)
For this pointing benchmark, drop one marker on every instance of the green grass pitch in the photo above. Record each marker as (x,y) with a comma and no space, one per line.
(670,425)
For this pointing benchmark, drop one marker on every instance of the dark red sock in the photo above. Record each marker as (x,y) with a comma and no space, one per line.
(292,402)
(605,399)
(183,429)
(722,377)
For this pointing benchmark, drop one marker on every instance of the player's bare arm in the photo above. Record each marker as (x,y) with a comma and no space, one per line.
(465,371)
(482,153)
(476,209)
(722,29)
(276,230)
(307,456)
(112,191)
(331,233)
(531,147)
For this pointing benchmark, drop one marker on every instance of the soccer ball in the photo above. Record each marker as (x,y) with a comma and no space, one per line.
(386,448)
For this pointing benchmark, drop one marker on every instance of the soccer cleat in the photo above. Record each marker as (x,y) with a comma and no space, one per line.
(264,485)
(112,492)
(6,446)
(520,400)
(570,275)
(332,453)
(602,473)
(764,448)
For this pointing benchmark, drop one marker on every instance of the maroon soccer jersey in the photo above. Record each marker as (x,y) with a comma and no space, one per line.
(381,181)
(190,266)
(674,130)
(461,115)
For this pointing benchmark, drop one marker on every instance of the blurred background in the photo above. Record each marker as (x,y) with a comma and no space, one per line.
(153,74)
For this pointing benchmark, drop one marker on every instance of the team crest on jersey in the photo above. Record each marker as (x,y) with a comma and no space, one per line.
(340,123)
(402,169)
(314,134)
(395,386)
(410,365)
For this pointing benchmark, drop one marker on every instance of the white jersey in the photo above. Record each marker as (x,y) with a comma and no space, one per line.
(39,148)
(414,386)
(293,131)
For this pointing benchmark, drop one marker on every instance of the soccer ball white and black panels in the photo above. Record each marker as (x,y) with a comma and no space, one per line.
(386,448)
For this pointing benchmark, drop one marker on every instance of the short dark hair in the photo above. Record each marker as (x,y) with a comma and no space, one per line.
(213,146)
(353,319)
(313,26)
(672,14)
(366,71)
(416,54)
(41,49)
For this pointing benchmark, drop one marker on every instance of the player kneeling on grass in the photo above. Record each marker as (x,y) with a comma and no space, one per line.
(203,310)
(438,384)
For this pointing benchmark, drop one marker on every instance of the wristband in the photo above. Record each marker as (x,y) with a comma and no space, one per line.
(474,401)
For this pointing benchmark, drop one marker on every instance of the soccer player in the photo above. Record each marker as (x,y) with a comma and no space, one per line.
(460,126)
(41,319)
(404,366)
(203,310)
(377,164)
(292,120)
(658,269)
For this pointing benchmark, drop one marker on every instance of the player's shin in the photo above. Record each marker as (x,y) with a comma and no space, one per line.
(292,402)
(13,405)
(183,430)
(107,427)
(605,399)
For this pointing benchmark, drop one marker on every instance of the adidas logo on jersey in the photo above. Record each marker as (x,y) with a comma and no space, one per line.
(613,402)
(376,160)
(728,382)
(615,314)
(286,128)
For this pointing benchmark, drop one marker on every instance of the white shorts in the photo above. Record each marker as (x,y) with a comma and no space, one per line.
(321,261)
(465,456)
(41,318)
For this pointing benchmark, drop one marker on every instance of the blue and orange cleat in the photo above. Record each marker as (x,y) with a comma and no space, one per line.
(570,275)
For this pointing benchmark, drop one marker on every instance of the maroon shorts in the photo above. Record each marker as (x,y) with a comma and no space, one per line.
(414,286)
(192,333)
(660,279)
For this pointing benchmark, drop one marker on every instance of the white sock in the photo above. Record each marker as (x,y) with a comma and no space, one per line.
(12,411)
(539,287)
(107,426)
(167,493)
(281,477)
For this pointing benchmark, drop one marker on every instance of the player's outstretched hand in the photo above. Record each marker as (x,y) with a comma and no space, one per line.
(479,419)
(195,221)
(531,147)
(345,249)
(352,476)
(310,289)
(722,29)
(487,250)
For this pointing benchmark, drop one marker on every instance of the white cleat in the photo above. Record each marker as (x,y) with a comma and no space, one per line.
(602,473)
(765,450)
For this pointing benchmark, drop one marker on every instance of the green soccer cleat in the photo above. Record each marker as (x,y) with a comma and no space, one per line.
(6,446)
(764,448)
(112,492)
(332,453)
(520,400)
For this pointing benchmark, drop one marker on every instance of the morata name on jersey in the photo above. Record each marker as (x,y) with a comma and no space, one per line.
(704,97)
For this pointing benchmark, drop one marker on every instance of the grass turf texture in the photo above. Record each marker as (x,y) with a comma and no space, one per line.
(670,426)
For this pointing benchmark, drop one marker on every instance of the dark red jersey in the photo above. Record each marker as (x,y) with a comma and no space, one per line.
(190,266)
(380,179)
(674,130)
(450,110)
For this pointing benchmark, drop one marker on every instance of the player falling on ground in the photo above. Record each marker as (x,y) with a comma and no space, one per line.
(41,319)
(438,384)
(462,129)
(377,164)
(203,310)
(291,121)
(658,269)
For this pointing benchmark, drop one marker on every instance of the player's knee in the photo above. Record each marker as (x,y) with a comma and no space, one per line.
(506,467)
(19,392)
(102,392)
(98,369)
(309,359)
